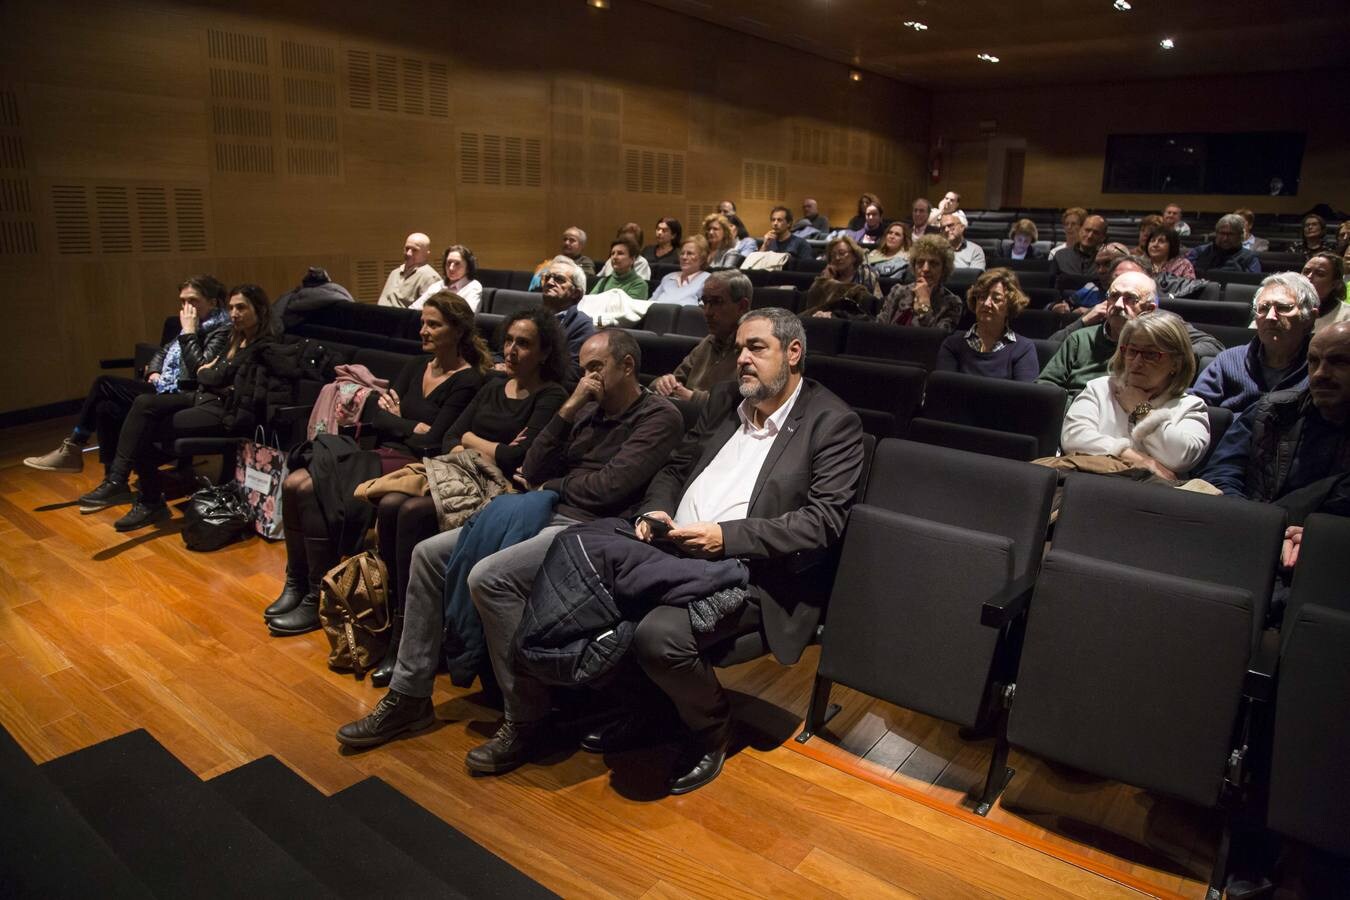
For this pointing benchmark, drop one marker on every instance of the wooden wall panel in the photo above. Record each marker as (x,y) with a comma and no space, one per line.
(147,140)
(1066,127)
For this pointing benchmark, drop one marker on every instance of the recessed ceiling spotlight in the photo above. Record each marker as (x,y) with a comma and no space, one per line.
(1167,43)
(598,4)
(854,75)
(917,26)
(1122,5)
(986,57)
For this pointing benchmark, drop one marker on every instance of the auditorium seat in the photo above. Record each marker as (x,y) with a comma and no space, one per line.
(1228,335)
(960,280)
(1219,421)
(1006,408)
(799,280)
(1240,293)
(1280,262)
(908,344)
(485,300)
(1224,277)
(507,302)
(884,395)
(488,326)
(1025,267)
(814,266)
(385,320)
(926,609)
(825,336)
(381,363)
(1142,626)
(1039,278)
(689,321)
(1041,297)
(1319,576)
(1040,323)
(781,295)
(1045,349)
(661,353)
(494,278)
(660,318)
(1216,311)
(1213,291)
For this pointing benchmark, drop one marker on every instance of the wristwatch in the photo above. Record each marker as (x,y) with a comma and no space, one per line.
(1140,411)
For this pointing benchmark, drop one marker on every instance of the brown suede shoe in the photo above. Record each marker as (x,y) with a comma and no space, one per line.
(69,457)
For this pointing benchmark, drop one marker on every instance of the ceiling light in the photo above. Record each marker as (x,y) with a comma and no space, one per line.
(598,4)
(986,57)
(854,75)
(1167,43)
(1122,5)
(917,26)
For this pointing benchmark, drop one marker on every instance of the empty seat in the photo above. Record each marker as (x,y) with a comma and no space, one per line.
(661,318)
(1215,311)
(507,302)
(689,321)
(661,353)
(780,295)
(1045,350)
(937,559)
(1240,293)
(909,344)
(825,336)
(960,280)
(1319,576)
(995,404)
(494,278)
(389,321)
(381,363)
(884,395)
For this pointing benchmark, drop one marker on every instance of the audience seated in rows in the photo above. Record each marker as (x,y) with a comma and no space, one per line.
(411,280)
(780,239)
(813,222)
(224,402)
(1140,412)
(967,254)
(1090,294)
(500,424)
(858,221)
(874,226)
(409,420)
(623,253)
(890,258)
(1080,258)
(1163,250)
(594,458)
(1071,220)
(1171,216)
(1326,271)
(1024,235)
(461,268)
(685,286)
(204,328)
(643,268)
(725,250)
(990,347)
(728,209)
(666,250)
(726,297)
(1249,239)
(846,263)
(316,291)
(573,243)
(926,302)
(950,203)
(919,216)
(1086,351)
(1225,253)
(1314,237)
(564,284)
(1276,358)
(1147,225)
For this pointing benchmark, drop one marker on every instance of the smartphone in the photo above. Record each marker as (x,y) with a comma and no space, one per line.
(660,529)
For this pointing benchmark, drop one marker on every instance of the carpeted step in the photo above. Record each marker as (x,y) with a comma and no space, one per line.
(47,849)
(172,831)
(447,853)
(336,847)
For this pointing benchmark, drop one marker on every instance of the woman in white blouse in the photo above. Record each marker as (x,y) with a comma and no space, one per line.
(686,286)
(460,266)
(1140,412)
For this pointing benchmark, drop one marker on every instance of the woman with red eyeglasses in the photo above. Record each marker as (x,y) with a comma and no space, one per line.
(1140,412)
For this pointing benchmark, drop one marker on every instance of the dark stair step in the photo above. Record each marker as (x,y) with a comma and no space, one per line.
(447,853)
(172,831)
(335,846)
(47,849)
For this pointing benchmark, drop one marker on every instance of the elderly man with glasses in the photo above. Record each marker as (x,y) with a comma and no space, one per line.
(726,297)
(564,283)
(1086,352)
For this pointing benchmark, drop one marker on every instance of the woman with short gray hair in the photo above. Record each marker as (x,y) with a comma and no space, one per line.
(1140,412)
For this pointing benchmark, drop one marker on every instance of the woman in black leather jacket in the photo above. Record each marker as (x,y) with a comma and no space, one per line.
(161,417)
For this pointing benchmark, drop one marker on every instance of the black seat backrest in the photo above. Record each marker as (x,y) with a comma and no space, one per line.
(381,363)
(662,353)
(1033,278)
(967,490)
(689,321)
(661,318)
(780,295)
(1219,420)
(1045,350)
(1229,335)
(908,344)
(332,315)
(884,395)
(799,280)
(389,321)
(1217,312)
(999,404)
(825,336)
(488,325)
(1024,267)
(494,278)
(1239,293)
(505,302)
(1226,277)
(1041,297)
(814,266)
(1319,576)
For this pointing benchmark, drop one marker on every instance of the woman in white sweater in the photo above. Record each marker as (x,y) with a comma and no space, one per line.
(1140,412)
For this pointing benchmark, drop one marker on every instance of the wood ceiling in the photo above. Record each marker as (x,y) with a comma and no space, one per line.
(1066,41)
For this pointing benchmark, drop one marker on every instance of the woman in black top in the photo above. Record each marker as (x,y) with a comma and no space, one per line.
(667,246)
(500,423)
(210,410)
(410,421)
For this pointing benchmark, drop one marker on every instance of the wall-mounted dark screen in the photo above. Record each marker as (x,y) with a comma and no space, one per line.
(1249,162)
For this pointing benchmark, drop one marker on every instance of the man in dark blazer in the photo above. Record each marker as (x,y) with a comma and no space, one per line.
(767,476)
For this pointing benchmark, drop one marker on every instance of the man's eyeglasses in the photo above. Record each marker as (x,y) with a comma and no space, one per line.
(1129,297)
(554,278)
(1264,307)
(1148,356)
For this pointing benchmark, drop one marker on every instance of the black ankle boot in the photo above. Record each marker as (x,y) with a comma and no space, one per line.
(297,576)
(384,672)
(319,558)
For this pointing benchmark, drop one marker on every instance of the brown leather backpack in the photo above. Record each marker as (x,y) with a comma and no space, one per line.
(354,613)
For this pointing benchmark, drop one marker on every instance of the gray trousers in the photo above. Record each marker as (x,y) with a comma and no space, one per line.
(499,585)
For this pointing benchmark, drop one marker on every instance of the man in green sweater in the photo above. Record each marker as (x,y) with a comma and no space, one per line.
(1085,353)
(622,253)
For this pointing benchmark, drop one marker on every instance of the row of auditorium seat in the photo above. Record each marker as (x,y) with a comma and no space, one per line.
(1137,649)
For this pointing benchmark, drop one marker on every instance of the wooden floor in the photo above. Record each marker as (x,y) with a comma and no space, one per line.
(102,632)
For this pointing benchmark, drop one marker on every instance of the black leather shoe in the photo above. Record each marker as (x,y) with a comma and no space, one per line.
(395,714)
(696,766)
(301,620)
(108,493)
(143,514)
(513,745)
(632,732)
(292,593)
(381,675)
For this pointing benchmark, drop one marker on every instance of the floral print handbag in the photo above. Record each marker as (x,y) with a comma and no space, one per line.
(259,471)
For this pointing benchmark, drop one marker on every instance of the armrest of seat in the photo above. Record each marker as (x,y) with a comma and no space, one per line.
(1260,681)
(1010,603)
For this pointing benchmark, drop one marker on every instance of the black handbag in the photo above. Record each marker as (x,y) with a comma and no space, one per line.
(216,516)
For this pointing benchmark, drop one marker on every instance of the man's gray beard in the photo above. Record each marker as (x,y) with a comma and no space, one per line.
(763,390)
